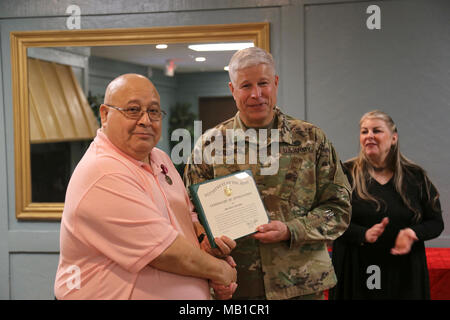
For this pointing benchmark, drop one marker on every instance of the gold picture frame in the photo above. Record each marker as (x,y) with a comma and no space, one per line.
(22,40)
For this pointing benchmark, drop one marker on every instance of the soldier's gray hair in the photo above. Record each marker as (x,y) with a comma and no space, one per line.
(249,57)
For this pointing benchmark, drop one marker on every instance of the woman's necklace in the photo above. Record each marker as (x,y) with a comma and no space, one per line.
(379,169)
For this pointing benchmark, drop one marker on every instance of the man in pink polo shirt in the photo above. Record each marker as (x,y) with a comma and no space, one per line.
(127,230)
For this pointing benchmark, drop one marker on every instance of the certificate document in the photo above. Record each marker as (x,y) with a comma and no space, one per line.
(229,205)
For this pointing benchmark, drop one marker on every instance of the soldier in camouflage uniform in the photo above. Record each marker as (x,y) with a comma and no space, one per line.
(307,198)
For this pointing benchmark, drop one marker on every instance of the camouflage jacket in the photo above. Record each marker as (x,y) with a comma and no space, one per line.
(308,192)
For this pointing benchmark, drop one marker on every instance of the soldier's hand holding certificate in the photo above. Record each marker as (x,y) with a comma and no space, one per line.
(229,205)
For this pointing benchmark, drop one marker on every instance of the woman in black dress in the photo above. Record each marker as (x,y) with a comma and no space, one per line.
(395,208)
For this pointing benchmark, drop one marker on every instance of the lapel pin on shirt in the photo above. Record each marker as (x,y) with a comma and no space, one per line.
(165,171)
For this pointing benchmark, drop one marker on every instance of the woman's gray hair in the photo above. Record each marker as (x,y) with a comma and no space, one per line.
(249,57)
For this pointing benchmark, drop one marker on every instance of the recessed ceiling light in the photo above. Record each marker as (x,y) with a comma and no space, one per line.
(221,46)
(226,68)
(161,46)
(200,59)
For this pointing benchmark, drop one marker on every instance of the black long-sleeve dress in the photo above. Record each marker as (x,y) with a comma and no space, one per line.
(400,276)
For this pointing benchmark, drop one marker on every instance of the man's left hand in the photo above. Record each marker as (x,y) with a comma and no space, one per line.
(275,231)
(225,246)
(222,292)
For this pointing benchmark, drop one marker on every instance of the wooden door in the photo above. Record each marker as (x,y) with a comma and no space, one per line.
(214,110)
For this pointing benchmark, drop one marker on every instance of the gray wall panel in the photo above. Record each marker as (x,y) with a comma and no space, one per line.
(33,241)
(35,8)
(402,69)
(291,62)
(33,275)
(4,266)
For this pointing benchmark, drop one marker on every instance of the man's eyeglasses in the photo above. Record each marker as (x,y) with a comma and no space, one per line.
(136,113)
